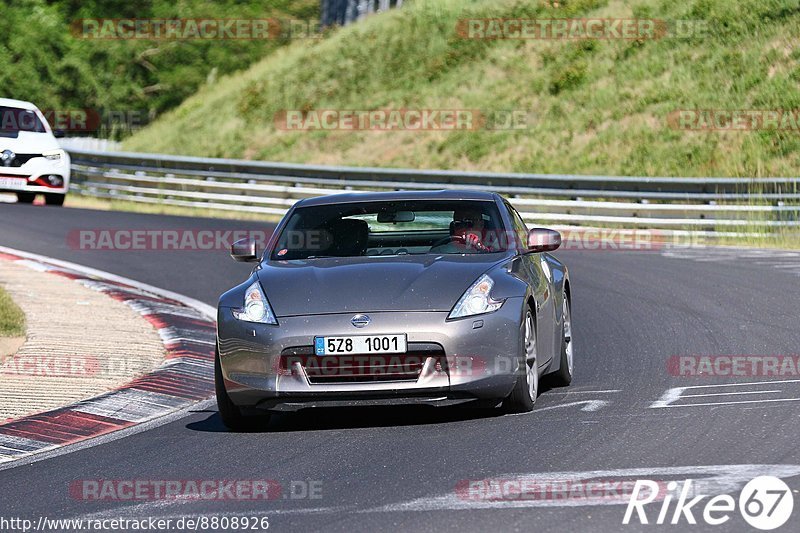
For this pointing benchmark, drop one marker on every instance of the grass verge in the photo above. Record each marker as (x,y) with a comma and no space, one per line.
(12,319)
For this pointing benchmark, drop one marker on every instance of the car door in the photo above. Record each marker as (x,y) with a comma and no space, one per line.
(541,280)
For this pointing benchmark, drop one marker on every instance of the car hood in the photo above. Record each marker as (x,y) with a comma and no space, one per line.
(372,284)
(29,143)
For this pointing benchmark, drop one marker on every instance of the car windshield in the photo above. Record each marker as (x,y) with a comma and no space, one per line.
(15,119)
(392,228)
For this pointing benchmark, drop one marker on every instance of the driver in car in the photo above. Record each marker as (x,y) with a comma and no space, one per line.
(467,230)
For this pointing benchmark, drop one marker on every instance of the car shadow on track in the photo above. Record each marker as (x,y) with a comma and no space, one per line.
(329,418)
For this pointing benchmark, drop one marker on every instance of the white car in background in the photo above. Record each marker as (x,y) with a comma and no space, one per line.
(31,160)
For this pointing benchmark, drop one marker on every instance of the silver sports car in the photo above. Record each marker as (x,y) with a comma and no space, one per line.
(435,298)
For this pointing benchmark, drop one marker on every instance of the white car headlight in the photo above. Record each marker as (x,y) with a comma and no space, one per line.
(256,308)
(477,300)
(53,155)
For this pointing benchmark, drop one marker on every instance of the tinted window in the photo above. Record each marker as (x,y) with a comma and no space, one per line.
(520,228)
(14,119)
(392,228)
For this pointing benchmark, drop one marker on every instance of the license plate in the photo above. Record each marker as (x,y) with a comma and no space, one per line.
(13,183)
(360,344)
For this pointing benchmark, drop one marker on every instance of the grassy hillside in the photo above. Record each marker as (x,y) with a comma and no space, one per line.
(45,62)
(599,106)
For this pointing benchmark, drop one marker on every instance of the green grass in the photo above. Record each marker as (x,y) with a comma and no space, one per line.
(47,62)
(599,107)
(12,320)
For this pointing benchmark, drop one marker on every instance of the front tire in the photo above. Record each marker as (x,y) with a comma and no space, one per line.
(54,199)
(230,414)
(26,197)
(526,389)
(563,376)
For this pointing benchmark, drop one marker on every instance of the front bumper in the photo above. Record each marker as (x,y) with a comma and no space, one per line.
(30,176)
(269,367)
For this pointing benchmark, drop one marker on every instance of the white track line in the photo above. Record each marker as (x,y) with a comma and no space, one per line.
(730,393)
(206,309)
(732,403)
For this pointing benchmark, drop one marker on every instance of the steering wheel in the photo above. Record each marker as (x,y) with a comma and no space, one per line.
(447,240)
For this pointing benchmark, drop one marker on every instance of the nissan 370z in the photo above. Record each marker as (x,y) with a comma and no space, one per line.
(437,298)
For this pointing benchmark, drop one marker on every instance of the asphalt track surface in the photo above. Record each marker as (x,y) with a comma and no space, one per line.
(397,469)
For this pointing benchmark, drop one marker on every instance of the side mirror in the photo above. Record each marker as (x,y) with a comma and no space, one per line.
(244,250)
(59,134)
(543,240)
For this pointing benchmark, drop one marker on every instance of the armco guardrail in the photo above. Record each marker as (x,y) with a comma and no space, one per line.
(709,206)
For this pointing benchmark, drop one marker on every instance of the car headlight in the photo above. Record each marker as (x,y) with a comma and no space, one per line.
(256,307)
(53,155)
(477,300)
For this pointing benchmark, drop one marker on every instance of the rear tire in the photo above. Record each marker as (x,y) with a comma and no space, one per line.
(26,197)
(54,199)
(526,389)
(563,376)
(230,414)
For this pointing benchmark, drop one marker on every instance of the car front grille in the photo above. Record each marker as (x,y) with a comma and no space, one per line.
(21,159)
(362,368)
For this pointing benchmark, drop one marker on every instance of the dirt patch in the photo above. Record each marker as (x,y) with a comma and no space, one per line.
(79,342)
(9,346)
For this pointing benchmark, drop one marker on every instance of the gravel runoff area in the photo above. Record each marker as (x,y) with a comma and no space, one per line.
(79,342)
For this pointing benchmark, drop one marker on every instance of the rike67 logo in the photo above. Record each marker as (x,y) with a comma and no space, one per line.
(765,503)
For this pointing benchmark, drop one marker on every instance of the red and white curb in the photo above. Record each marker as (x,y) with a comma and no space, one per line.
(187,329)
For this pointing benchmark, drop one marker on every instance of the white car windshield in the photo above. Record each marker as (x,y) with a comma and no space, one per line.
(15,119)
